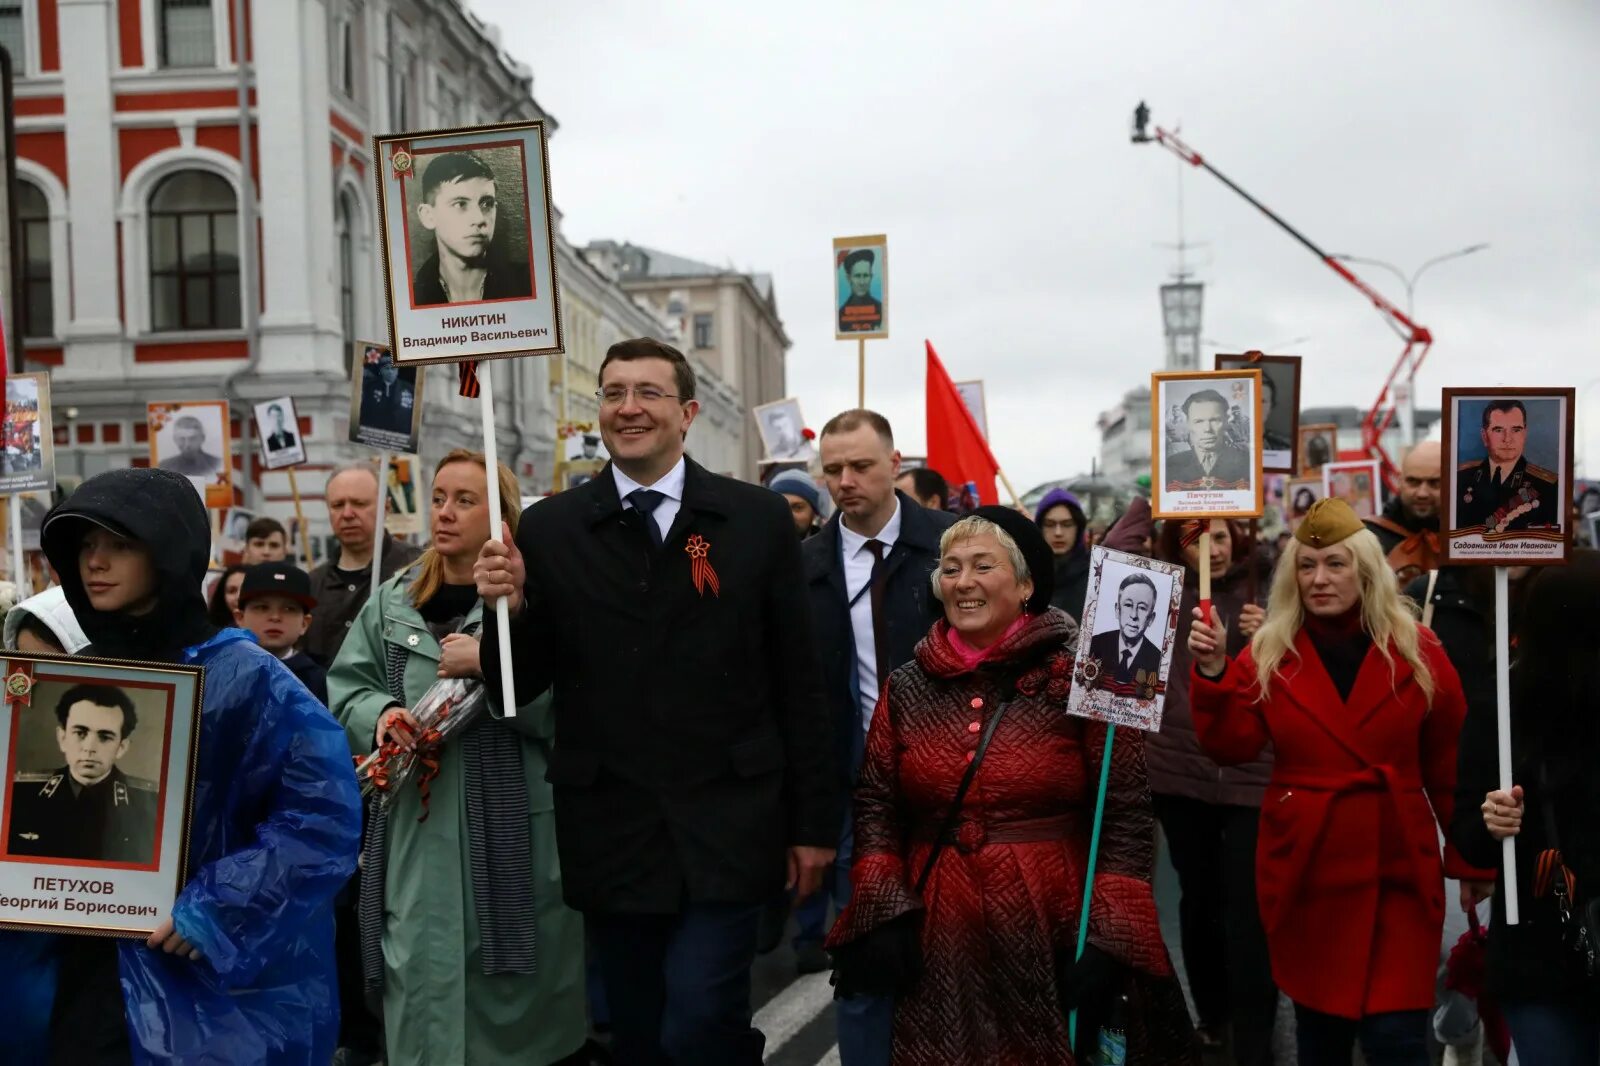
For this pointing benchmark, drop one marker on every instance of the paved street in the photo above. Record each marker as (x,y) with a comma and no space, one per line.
(797,1017)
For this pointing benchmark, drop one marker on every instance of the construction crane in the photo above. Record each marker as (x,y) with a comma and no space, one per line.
(1418,340)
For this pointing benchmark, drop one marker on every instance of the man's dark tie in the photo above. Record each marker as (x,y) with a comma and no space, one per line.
(880,624)
(645,501)
(1495,484)
(1127,661)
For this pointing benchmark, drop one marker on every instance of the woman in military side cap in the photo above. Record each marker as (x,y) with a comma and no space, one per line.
(1363,711)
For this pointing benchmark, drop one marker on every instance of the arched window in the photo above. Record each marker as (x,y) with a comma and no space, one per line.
(38,300)
(194,253)
(346,224)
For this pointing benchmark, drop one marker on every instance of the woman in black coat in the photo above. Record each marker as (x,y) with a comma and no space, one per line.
(1535,972)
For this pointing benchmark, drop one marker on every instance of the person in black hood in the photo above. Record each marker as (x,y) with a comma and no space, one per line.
(245,960)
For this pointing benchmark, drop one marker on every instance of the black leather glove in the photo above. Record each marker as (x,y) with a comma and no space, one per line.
(885,962)
(1088,985)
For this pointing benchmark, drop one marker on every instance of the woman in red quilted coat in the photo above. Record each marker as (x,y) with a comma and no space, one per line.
(1363,711)
(995,928)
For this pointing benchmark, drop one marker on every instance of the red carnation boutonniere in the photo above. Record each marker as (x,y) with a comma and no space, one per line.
(700,565)
(808,433)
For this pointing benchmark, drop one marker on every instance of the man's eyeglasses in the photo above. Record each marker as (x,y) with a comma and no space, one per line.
(1052,525)
(617,395)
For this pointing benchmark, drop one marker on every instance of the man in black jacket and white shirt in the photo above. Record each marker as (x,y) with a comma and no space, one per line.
(871,602)
(692,761)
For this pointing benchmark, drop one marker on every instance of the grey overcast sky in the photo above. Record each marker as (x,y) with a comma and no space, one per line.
(990,142)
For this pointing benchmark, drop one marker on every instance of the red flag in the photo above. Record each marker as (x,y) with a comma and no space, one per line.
(956,448)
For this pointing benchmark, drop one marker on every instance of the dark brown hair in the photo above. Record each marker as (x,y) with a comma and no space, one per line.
(650,348)
(264,527)
(1169,548)
(855,418)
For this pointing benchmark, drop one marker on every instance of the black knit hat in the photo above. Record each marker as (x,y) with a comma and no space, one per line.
(1035,552)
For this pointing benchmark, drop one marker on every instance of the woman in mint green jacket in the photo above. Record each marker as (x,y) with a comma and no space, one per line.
(462,920)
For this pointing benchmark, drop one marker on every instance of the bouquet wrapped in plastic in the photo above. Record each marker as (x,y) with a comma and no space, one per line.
(445,710)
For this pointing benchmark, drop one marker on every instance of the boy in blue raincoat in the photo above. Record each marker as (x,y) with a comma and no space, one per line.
(242,971)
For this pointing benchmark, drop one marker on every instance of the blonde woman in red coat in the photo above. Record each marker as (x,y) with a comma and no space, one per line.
(1363,711)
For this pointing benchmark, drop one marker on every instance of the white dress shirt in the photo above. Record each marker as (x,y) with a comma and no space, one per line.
(858,563)
(670,486)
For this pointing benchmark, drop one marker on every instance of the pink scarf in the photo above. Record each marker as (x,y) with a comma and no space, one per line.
(970,657)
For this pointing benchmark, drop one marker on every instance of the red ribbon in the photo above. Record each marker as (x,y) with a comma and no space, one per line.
(700,566)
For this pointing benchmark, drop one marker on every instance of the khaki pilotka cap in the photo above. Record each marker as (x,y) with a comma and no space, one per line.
(1327,523)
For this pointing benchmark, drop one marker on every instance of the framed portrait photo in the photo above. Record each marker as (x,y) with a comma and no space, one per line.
(1131,623)
(1205,452)
(861,287)
(99,761)
(1318,443)
(782,429)
(385,400)
(971,393)
(403,509)
(582,442)
(192,438)
(1280,406)
(1356,482)
(282,443)
(1508,475)
(1299,494)
(468,243)
(28,460)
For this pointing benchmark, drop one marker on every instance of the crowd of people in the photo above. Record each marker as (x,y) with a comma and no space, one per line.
(731,710)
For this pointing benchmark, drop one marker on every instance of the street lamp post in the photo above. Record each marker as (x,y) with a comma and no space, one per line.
(1408,402)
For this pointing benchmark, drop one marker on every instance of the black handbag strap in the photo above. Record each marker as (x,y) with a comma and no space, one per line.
(954,813)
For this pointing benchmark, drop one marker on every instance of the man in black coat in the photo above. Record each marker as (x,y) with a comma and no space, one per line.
(868,617)
(692,759)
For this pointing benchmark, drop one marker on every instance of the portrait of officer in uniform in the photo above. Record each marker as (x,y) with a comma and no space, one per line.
(1209,460)
(388,395)
(1125,652)
(460,206)
(87,808)
(1504,492)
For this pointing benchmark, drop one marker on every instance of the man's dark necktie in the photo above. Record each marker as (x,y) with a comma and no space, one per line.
(645,501)
(1495,484)
(1127,661)
(880,624)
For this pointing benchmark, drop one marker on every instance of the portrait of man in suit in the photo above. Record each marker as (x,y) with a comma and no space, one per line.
(1208,461)
(281,436)
(1126,654)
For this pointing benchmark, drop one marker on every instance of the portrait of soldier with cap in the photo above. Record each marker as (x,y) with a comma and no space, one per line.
(859,265)
(87,808)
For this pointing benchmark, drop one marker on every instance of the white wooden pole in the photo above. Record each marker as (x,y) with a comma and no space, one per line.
(378,534)
(1502,685)
(491,454)
(19,575)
